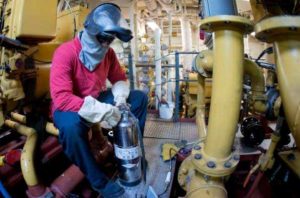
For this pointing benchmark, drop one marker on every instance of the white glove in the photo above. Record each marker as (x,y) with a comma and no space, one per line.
(120,90)
(94,111)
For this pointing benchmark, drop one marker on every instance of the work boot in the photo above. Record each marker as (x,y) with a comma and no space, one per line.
(112,190)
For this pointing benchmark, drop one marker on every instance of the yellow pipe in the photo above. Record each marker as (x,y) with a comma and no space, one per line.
(284,33)
(50,128)
(212,160)
(27,156)
(287,51)
(2,160)
(257,85)
(18,117)
(258,10)
(199,187)
(256,75)
(205,62)
(200,113)
(266,161)
(271,76)
(226,93)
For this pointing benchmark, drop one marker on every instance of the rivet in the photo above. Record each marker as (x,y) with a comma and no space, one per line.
(211,164)
(236,157)
(198,156)
(197,147)
(227,164)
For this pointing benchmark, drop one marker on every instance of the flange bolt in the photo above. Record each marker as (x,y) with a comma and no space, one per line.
(211,164)
(227,164)
(198,156)
(197,147)
(236,157)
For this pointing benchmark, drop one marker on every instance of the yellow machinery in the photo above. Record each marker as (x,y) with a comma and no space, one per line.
(202,174)
(31,31)
(212,161)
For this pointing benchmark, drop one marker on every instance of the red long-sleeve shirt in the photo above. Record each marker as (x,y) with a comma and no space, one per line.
(71,81)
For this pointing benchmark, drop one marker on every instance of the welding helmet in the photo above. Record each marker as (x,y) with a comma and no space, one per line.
(106,21)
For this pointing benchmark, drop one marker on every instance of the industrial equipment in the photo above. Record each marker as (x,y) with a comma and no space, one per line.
(228,91)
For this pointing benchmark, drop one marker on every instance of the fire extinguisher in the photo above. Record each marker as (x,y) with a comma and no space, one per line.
(129,149)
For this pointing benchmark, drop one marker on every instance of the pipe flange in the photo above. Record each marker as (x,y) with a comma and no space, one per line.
(210,24)
(185,172)
(212,166)
(268,29)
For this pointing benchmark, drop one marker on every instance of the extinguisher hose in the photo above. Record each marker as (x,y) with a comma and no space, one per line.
(140,136)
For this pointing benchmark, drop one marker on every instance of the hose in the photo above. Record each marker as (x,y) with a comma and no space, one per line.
(140,136)
(269,50)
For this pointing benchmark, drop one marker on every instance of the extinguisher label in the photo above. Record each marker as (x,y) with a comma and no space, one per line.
(126,153)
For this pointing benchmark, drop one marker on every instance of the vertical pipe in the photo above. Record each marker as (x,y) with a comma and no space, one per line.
(186,38)
(226,92)
(170,31)
(134,49)
(131,75)
(287,52)
(27,157)
(177,91)
(169,86)
(200,113)
(157,35)
(170,70)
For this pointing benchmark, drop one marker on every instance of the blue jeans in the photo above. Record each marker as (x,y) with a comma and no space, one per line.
(73,135)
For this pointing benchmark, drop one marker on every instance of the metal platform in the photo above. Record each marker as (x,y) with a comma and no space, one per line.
(158,128)
(158,132)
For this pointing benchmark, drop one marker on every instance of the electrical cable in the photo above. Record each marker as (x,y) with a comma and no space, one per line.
(269,50)
(169,175)
(266,65)
(262,64)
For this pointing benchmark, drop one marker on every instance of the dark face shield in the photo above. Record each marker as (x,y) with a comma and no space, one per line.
(105,39)
(106,20)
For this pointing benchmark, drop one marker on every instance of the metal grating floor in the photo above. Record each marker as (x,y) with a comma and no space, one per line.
(156,128)
(156,133)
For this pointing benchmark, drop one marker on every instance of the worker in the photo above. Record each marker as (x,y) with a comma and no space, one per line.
(78,76)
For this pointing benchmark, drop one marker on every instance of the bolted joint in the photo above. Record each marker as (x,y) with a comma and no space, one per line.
(211,164)
(198,156)
(228,164)
(197,147)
